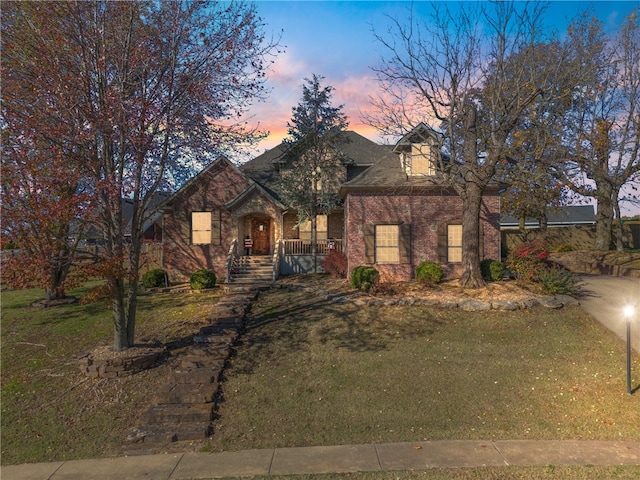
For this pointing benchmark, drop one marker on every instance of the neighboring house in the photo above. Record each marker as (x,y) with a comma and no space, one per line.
(152,224)
(395,214)
(563,217)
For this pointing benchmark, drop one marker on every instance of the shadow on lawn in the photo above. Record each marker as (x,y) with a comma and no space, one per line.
(301,320)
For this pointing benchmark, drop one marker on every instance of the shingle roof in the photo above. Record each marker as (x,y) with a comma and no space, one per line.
(356,150)
(569,215)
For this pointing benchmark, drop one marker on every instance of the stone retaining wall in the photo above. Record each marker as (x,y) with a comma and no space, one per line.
(119,367)
(594,262)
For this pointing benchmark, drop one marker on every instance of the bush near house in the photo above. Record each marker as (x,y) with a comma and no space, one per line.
(429,273)
(335,264)
(492,269)
(203,278)
(364,278)
(529,262)
(154,278)
(559,281)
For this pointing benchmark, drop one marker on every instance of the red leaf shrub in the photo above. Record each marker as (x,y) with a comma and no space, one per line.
(527,260)
(335,264)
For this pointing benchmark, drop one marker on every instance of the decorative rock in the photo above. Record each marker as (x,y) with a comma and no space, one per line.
(550,302)
(507,305)
(474,306)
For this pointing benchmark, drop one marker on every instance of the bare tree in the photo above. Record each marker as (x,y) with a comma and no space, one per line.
(600,135)
(468,71)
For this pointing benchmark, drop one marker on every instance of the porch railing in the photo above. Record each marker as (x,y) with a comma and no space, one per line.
(277,254)
(294,246)
(231,256)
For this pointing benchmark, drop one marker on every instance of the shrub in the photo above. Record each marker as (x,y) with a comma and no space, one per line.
(203,278)
(527,260)
(559,281)
(154,278)
(564,248)
(492,269)
(428,273)
(335,264)
(364,278)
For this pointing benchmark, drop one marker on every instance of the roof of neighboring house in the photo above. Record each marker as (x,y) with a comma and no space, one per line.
(569,215)
(153,214)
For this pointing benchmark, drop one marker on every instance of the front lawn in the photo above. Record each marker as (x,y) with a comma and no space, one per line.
(50,410)
(316,372)
(311,371)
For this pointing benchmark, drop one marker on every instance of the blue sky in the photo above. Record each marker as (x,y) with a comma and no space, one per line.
(334,39)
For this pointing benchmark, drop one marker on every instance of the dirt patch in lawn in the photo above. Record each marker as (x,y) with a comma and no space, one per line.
(446,291)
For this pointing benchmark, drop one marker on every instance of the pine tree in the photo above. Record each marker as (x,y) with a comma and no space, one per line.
(313,164)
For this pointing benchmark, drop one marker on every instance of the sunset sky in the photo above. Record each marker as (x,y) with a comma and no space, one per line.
(334,39)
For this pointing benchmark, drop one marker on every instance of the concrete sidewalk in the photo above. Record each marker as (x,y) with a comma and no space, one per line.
(335,459)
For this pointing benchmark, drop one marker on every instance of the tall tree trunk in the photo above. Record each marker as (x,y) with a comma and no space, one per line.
(314,242)
(132,291)
(471,205)
(59,271)
(617,222)
(604,217)
(543,221)
(116,288)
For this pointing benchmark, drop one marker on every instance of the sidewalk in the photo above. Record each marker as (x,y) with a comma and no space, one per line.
(335,459)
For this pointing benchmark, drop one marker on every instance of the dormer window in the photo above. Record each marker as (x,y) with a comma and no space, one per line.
(421,161)
(419,151)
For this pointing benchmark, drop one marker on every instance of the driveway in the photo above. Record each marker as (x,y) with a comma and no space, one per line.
(605,296)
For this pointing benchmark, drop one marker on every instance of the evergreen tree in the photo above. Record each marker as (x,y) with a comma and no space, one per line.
(313,169)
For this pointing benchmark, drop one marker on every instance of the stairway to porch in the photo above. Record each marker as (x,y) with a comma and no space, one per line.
(253,269)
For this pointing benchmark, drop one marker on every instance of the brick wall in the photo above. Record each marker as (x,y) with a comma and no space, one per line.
(210,191)
(423,212)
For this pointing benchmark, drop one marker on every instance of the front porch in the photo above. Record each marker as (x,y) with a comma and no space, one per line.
(290,257)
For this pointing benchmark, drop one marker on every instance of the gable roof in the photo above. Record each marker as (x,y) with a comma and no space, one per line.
(356,150)
(420,131)
(224,161)
(568,215)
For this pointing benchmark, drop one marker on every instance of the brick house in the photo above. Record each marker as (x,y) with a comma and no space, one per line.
(395,214)
(398,213)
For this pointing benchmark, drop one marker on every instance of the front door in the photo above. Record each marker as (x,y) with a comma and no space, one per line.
(260,236)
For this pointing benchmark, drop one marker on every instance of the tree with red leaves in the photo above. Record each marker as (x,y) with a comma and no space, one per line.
(141,90)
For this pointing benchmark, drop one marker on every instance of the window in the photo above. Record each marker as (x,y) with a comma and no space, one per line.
(454,243)
(421,159)
(205,228)
(386,244)
(200,228)
(321,228)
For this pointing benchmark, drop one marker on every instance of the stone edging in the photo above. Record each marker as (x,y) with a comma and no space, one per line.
(119,367)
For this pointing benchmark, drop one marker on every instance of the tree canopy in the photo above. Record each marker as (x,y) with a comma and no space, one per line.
(470,72)
(133,91)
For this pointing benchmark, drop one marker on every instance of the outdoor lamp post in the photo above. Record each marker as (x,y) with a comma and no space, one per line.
(629,310)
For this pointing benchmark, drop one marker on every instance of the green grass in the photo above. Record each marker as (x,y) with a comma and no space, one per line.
(311,372)
(314,372)
(49,409)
